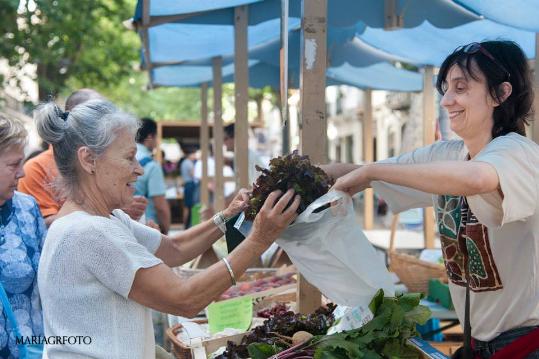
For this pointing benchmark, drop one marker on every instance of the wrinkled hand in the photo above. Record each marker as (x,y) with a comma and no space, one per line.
(136,208)
(238,204)
(273,218)
(353,182)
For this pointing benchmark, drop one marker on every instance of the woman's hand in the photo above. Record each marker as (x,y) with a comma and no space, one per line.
(136,208)
(353,182)
(273,218)
(238,204)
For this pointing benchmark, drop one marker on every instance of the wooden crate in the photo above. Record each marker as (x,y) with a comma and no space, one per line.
(182,350)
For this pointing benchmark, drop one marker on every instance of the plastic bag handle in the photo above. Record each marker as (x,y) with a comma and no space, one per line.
(328,198)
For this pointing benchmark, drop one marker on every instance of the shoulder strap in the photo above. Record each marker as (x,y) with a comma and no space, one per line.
(8,310)
(468,353)
(143,162)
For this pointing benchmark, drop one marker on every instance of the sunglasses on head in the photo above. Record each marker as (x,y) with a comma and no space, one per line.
(476,47)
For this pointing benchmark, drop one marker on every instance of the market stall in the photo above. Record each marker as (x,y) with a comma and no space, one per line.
(312,85)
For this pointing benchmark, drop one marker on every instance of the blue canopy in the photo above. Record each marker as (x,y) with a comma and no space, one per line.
(174,43)
(382,76)
(523,14)
(343,47)
(195,45)
(341,13)
(428,45)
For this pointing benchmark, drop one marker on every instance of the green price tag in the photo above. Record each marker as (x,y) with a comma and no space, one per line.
(233,313)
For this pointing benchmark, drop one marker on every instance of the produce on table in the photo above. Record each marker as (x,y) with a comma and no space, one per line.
(259,285)
(276,332)
(301,337)
(291,171)
(277,309)
(384,337)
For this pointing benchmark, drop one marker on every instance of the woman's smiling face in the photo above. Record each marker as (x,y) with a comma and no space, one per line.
(116,171)
(469,105)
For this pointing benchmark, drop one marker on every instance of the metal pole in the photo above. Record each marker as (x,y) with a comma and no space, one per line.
(218,133)
(284,77)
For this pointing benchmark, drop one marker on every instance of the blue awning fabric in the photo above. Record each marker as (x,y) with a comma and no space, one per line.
(341,13)
(175,43)
(522,14)
(428,45)
(382,76)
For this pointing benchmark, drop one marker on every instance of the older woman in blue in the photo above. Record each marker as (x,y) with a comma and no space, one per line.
(22,231)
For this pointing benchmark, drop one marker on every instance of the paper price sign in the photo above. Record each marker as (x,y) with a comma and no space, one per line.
(233,313)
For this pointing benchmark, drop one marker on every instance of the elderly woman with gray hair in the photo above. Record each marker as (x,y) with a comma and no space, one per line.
(100,271)
(22,231)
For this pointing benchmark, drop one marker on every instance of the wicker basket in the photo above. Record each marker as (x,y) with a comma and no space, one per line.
(413,272)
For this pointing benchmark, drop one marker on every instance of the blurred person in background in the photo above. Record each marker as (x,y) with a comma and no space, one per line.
(152,184)
(190,183)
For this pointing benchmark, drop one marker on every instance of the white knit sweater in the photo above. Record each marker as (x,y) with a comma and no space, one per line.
(86,271)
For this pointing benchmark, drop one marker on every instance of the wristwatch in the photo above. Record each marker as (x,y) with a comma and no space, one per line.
(220,221)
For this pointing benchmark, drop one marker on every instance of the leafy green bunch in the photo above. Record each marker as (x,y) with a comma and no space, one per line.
(285,172)
(384,337)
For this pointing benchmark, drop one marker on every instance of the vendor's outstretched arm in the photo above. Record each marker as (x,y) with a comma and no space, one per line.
(440,177)
(336,170)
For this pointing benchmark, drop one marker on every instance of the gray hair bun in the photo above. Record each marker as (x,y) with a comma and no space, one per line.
(50,123)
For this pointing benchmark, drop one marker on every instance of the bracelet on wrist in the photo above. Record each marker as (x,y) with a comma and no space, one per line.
(220,221)
(230,271)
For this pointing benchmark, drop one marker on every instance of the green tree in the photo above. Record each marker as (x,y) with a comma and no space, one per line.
(69,39)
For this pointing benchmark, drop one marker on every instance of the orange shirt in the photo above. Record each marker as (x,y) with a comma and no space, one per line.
(40,173)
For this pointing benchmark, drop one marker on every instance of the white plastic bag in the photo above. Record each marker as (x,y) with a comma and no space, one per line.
(331,251)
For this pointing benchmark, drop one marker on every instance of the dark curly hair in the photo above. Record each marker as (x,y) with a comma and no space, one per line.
(512,115)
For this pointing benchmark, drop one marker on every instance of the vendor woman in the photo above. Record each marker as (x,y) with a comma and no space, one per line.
(485,189)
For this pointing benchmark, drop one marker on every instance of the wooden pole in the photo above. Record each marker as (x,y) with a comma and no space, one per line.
(218,132)
(312,109)
(428,138)
(241,78)
(535,123)
(145,38)
(368,156)
(204,145)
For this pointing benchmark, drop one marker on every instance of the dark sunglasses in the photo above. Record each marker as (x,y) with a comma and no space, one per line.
(476,47)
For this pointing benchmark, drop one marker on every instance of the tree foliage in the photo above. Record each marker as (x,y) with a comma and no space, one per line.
(69,38)
(76,44)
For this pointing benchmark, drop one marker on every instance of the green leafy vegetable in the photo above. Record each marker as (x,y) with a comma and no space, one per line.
(384,337)
(262,350)
(291,171)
